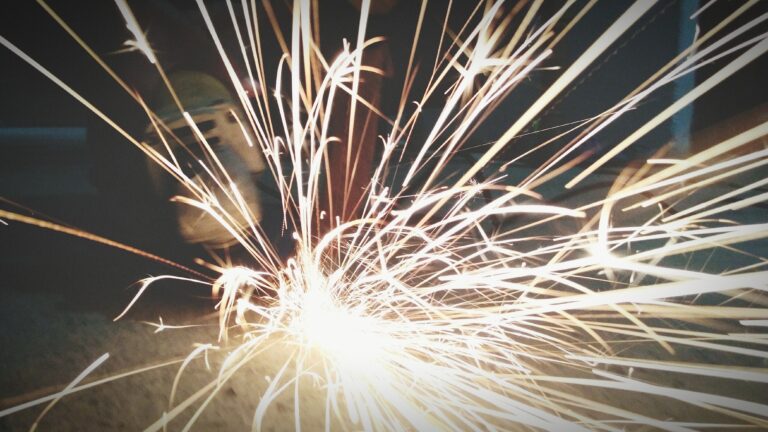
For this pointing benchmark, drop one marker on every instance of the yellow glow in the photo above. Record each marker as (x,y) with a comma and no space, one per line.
(346,337)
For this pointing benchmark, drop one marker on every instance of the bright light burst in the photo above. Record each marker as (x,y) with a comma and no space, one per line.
(452,302)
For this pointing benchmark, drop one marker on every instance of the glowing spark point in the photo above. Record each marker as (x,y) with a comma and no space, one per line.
(343,335)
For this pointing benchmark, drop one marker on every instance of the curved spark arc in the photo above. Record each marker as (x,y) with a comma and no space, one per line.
(421,313)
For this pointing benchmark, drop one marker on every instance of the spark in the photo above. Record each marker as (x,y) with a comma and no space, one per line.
(451,304)
(140,42)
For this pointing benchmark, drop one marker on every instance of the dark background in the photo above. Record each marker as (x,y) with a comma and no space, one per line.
(58,160)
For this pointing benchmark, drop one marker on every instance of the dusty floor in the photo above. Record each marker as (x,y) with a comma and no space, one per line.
(53,346)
